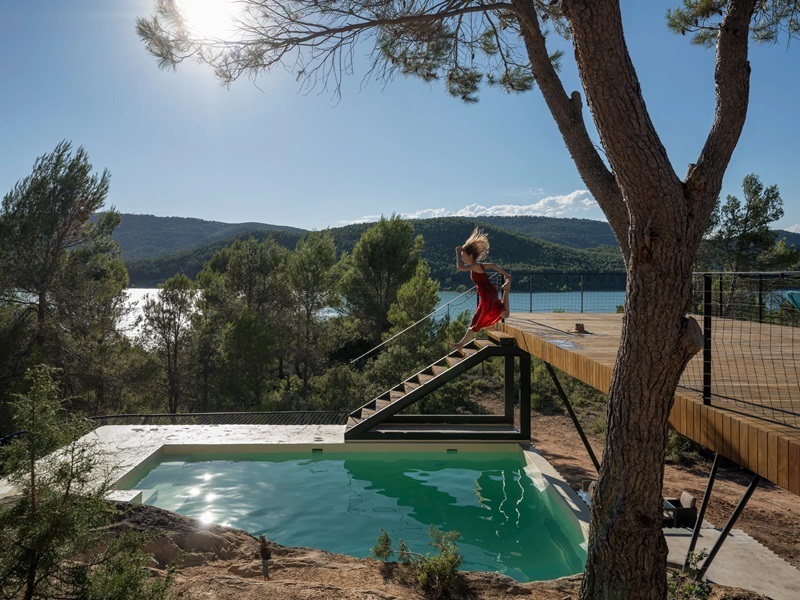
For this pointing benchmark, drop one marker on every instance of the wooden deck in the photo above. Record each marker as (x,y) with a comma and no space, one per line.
(754,416)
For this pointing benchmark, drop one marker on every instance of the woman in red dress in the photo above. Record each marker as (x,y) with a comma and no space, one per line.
(490,308)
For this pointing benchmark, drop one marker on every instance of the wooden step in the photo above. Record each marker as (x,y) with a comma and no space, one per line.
(466,352)
(353,421)
(481,344)
(410,386)
(395,395)
(381,404)
(438,369)
(452,361)
(502,338)
(423,378)
(366,413)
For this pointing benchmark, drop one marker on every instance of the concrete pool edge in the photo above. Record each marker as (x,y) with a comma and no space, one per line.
(572,506)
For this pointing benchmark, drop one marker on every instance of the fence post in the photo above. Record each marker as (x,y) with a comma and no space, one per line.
(720,294)
(706,339)
(530,289)
(760,298)
(581,293)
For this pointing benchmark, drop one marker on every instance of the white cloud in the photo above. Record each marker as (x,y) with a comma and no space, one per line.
(553,206)
(793,228)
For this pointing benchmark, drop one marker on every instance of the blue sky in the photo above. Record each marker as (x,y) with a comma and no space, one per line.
(180,144)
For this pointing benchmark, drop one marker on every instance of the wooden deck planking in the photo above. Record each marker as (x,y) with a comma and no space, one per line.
(753,365)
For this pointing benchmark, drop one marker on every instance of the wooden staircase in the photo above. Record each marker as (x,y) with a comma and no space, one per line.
(380,419)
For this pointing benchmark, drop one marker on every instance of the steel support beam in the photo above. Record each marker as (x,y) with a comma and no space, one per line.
(572,414)
(728,526)
(524,396)
(508,412)
(699,523)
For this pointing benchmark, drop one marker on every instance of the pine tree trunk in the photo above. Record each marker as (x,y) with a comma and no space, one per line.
(627,551)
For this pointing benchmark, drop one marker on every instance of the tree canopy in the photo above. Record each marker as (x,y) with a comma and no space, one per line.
(739,237)
(658,217)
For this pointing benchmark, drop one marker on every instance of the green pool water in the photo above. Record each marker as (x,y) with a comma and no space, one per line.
(340,502)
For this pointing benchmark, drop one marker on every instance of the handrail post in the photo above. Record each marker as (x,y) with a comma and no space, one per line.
(581,293)
(760,298)
(706,339)
(530,289)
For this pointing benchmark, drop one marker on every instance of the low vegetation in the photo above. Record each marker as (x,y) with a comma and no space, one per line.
(436,575)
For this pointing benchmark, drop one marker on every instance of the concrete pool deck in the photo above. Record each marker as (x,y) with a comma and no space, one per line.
(130,449)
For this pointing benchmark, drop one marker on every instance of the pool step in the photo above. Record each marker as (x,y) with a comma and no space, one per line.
(370,420)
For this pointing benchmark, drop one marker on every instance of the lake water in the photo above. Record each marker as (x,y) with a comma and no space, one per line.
(587,302)
(453,303)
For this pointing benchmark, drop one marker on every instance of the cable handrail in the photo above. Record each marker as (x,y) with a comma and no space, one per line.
(425,318)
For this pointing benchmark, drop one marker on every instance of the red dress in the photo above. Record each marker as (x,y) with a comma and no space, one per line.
(490,307)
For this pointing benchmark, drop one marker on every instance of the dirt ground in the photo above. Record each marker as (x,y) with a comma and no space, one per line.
(772,515)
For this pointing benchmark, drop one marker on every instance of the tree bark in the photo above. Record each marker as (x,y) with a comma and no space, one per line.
(659,230)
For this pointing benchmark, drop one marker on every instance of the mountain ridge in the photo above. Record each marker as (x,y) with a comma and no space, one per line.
(156,248)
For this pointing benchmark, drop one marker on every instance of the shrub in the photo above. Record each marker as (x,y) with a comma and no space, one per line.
(680,449)
(436,575)
(682,586)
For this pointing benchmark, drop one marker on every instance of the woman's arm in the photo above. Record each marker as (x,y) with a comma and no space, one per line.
(496,268)
(460,264)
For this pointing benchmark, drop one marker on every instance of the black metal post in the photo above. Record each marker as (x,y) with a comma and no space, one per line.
(572,415)
(696,532)
(509,389)
(728,526)
(524,396)
(720,311)
(530,290)
(706,339)
(581,293)
(760,298)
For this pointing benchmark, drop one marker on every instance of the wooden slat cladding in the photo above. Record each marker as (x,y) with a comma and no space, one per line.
(732,428)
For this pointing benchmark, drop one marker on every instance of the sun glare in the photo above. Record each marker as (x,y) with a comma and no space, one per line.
(209,18)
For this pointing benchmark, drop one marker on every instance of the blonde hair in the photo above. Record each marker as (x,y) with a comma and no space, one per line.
(477,244)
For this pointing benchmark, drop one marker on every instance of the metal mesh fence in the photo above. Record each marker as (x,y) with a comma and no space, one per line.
(572,292)
(752,328)
(551,292)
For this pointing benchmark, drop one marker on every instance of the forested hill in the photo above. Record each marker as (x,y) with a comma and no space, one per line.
(516,252)
(578,233)
(148,236)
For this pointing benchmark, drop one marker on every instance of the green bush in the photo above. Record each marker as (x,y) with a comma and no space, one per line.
(681,450)
(682,585)
(436,575)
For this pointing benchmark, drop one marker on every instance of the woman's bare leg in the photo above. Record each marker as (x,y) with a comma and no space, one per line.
(468,335)
(506,288)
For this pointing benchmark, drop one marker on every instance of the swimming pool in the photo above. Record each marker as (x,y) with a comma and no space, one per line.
(339,501)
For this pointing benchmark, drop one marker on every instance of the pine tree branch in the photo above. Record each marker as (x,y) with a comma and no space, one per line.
(568,115)
(732,78)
